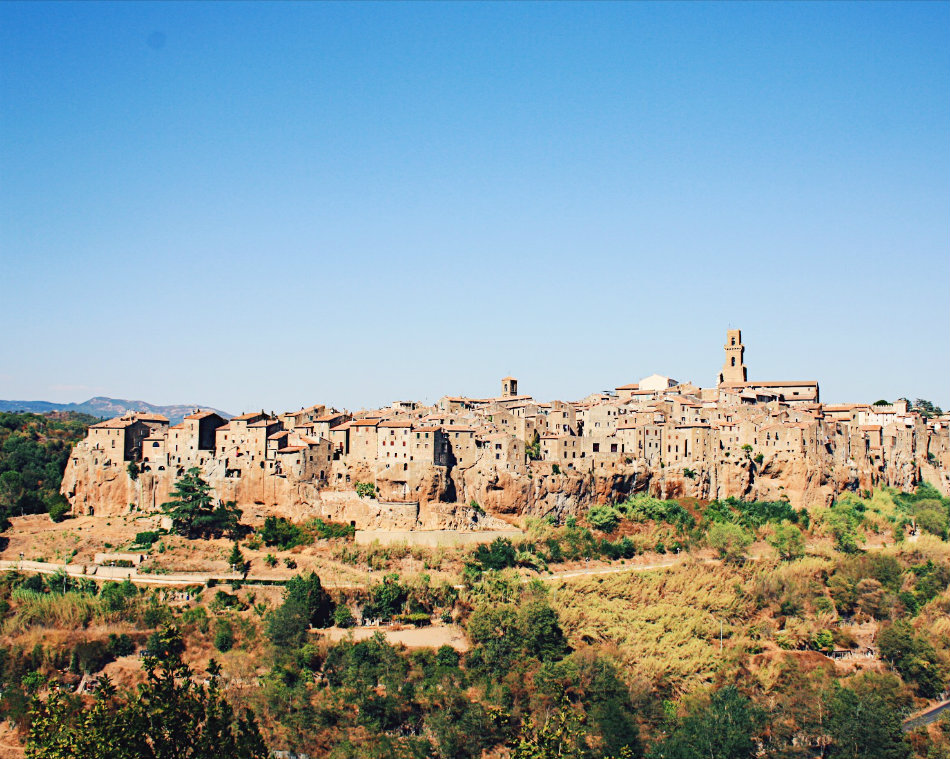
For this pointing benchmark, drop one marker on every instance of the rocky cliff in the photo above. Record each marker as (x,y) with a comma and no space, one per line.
(480,496)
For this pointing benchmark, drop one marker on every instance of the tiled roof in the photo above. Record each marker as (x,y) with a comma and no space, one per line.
(200,415)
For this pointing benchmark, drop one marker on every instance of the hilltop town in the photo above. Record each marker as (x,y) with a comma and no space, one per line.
(471,463)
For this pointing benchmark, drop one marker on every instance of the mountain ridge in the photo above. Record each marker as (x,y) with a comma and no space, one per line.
(106,408)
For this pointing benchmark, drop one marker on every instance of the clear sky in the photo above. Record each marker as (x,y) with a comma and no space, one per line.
(271,205)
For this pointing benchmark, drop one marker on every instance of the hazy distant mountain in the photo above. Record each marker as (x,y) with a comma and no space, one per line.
(108,408)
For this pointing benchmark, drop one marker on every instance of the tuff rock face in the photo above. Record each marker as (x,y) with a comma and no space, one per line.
(443,497)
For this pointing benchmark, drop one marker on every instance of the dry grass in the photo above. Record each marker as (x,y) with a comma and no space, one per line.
(665,624)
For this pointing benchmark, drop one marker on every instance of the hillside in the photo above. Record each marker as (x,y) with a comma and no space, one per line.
(106,408)
(648,628)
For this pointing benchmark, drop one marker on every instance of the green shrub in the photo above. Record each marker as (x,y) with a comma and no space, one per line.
(224,636)
(365,489)
(788,541)
(343,617)
(147,538)
(58,507)
(282,533)
(604,517)
(730,541)
(329,530)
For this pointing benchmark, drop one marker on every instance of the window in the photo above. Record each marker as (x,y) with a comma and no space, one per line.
(733,360)
(613,447)
(596,447)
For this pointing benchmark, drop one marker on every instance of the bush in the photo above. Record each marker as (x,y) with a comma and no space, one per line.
(499,554)
(58,507)
(121,645)
(604,517)
(281,533)
(788,541)
(913,657)
(343,617)
(147,538)
(365,489)
(730,541)
(224,636)
(328,530)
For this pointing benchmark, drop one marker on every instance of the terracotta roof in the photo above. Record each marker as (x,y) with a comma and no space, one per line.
(309,440)
(114,424)
(224,427)
(459,428)
(263,423)
(278,434)
(200,415)
(151,417)
(428,429)
(395,424)
(243,417)
(329,417)
(631,386)
(364,422)
(869,427)
(292,449)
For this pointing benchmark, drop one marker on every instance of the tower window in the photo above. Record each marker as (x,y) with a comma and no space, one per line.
(733,360)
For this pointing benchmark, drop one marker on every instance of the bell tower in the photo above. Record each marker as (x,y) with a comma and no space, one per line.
(509,387)
(734,370)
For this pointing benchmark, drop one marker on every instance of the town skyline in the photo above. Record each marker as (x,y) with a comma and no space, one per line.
(279,204)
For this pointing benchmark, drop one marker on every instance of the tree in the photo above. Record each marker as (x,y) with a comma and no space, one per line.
(912,656)
(58,507)
(309,592)
(533,449)
(932,516)
(843,522)
(723,729)
(560,735)
(305,603)
(170,716)
(926,408)
(287,625)
(729,540)
(193,513)
(224,636)
(11,486)
(788,541)
(603,517)
(236,559)
(387,598)
(864,726)
(342,616)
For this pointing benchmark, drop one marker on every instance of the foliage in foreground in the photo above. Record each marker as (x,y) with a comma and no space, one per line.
(170,716)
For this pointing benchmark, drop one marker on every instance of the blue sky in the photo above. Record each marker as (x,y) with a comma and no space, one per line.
(270,205)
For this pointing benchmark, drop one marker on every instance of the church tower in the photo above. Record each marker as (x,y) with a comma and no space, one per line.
(509,387)
(733,370)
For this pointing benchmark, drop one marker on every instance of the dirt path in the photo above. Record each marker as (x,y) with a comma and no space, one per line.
(411,637)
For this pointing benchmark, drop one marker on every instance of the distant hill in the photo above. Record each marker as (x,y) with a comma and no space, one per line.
(107,408)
